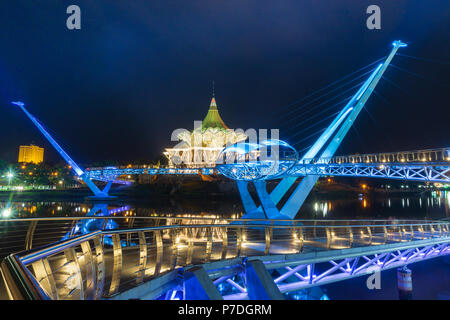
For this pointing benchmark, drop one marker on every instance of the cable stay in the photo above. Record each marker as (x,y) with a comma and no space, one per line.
(325,94)
(315,124)
(321,112)
(423,59)
(394,84)
(311,135)
(326,101)
(419,76)
(330,85)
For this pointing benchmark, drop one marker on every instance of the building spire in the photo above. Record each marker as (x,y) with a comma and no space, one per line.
(213,100)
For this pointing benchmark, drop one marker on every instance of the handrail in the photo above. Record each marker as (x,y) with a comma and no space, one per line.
(52,248)
(198,218)
(22,285)
(28,233)
(430,155)
(165,248)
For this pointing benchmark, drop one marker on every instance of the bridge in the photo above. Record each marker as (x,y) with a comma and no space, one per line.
(262,256)
(420,165)
(317,161)
(212,259)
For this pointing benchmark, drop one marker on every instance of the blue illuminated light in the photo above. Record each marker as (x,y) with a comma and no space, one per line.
(399,43)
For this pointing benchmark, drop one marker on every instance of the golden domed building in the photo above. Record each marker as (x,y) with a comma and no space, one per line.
(201,147)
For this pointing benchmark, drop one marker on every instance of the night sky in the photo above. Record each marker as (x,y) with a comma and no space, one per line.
(137,70)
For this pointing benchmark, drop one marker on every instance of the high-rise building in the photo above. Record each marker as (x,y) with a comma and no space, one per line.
(33,154)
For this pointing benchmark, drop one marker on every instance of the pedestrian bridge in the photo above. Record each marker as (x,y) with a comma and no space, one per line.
(431,165)
(187,258)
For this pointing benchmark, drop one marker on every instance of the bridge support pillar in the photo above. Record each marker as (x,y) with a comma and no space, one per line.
(404,283)
(107,187)
(246,198)
(198,285)
(266,202)
(260,285)
(295,202)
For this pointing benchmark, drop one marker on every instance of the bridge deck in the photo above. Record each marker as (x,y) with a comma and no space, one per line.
(423,165)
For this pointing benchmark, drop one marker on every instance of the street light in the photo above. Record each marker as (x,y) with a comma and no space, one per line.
(9,176)
(6,212)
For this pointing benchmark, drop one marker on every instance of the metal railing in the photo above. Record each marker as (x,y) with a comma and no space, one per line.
(104,263)
(112,173)
(441,155)
(29,233)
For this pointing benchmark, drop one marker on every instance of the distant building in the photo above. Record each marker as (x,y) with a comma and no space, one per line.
(201,147)
(31,154)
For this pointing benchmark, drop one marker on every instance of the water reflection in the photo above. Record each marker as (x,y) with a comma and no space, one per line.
(322,208)
(434,205)
(35,209)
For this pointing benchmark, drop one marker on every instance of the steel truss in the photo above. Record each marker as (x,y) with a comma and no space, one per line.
(432,172)
(302,276)
(419,172)
(108,173)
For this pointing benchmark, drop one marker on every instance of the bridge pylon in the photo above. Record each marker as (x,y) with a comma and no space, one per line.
(325,146)
(99,194)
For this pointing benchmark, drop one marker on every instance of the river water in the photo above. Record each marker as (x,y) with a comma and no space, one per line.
(433,205)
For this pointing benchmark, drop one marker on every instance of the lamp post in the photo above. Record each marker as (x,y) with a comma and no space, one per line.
(9,176)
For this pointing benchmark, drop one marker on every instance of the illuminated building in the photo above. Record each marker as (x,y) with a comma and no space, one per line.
(202,146)
(33,154)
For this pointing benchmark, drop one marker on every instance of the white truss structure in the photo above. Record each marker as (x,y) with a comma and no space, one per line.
(302,276)
(420,172)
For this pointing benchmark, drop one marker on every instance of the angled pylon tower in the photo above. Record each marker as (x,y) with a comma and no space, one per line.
(325,146)
(98,194)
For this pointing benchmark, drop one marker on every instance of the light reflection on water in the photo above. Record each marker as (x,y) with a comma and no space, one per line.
(434,205)
(34,209)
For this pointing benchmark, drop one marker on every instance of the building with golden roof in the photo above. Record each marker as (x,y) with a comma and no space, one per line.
(201,147)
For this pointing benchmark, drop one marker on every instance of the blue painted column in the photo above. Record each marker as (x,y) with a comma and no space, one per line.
(246,198)
(260,284)
(97,192)
(198,285)
(271,211)
(404,282)
(294,203)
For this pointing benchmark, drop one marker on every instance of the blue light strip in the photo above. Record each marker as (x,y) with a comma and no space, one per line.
(58,148)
